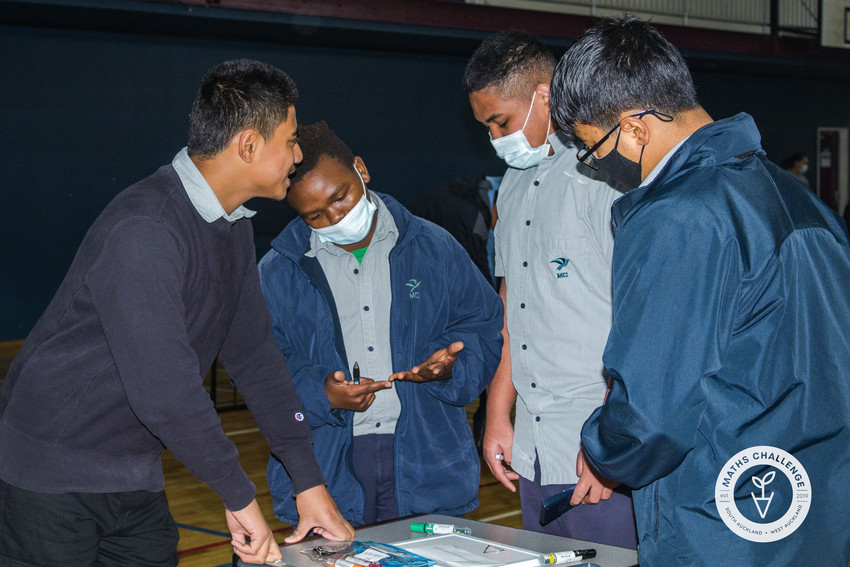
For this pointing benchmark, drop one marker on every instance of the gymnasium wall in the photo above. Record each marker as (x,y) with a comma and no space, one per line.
(85,112)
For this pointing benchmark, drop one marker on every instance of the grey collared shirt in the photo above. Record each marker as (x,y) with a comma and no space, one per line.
(201,194)
(363,296)
(553,246)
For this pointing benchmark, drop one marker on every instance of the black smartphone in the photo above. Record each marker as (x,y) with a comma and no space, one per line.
(555,506)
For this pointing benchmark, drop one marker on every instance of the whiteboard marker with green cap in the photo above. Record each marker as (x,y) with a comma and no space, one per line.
(439,528)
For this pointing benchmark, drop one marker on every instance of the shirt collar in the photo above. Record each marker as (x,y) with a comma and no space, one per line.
(660,165)
(556,141)
(384,228)
(201,194)
(622,205)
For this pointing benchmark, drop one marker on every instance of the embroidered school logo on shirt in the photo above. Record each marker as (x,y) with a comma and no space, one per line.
(413,284)
(562,263)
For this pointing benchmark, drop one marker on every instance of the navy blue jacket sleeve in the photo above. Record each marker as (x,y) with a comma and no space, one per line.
(676,287)
(307,375)
(474,316)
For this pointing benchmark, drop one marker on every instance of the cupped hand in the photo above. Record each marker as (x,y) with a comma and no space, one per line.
(437,367)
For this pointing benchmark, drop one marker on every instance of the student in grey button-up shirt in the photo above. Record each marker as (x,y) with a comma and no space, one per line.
(357,278)
(366,334)
(553,249)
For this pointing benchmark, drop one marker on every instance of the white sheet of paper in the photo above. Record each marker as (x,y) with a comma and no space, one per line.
(458,550)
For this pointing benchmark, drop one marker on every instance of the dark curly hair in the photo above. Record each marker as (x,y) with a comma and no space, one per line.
(317,140)
(512,62)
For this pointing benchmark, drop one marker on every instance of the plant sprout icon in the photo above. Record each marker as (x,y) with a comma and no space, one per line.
(762,483)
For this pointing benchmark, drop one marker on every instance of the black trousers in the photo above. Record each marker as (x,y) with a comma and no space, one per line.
(375,471)
(83,530)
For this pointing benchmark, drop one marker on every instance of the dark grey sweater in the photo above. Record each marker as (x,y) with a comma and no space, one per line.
(113,370)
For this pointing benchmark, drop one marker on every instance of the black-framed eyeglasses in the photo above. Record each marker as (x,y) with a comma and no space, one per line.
(586,155)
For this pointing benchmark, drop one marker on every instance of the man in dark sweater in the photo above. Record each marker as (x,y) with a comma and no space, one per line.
(164,282)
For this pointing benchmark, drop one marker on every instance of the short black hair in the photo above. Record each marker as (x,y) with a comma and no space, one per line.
(236,95)
(317,140)
(512,62)
(620,64)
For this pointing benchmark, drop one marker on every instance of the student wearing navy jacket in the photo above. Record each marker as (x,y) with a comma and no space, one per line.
(358,279)
(729,351)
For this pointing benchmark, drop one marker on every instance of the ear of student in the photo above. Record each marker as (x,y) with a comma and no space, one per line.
(360,166)
(637,128)
(247,142)
(543,90)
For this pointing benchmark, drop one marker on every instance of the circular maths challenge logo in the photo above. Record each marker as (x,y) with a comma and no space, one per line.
(763,494)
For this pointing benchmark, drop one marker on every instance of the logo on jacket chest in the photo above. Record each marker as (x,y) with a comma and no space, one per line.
(561,267)
(413,284)
(763,494)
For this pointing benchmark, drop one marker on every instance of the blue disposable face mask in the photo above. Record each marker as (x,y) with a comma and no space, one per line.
(354,226)
(515,148)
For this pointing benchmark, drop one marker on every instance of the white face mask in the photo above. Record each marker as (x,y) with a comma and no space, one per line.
(804,168)
(354,226)
(515,148)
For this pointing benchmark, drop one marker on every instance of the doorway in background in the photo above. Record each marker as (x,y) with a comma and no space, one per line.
(832,160)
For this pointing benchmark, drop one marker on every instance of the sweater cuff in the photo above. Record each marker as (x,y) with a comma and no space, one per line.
(235,489)
(302,468)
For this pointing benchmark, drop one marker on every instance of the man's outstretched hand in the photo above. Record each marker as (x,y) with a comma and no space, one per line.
(437,367)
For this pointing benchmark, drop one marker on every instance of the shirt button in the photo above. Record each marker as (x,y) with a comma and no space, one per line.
(525,264)
(536,183)
(522,305)
(537,418)
(371,348)
(379,423)
(528,223)
(365,308)
(524,347)
(356,271)
(533,385)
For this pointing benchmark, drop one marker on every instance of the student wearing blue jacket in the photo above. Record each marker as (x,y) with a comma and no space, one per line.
(358,280)
(730,350)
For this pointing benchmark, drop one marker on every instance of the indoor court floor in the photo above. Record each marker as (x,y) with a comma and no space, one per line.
(199,513)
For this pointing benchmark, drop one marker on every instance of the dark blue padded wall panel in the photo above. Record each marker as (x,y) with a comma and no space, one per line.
(787,109)
(86,113)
